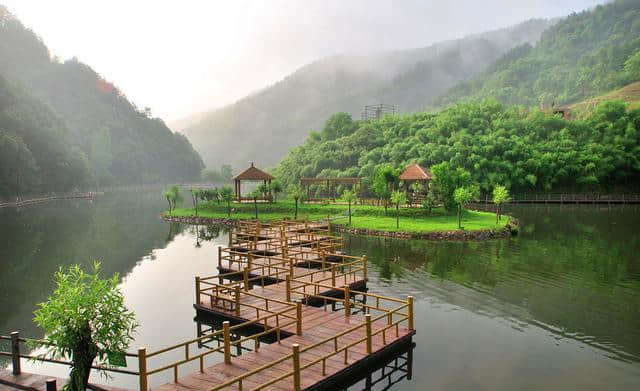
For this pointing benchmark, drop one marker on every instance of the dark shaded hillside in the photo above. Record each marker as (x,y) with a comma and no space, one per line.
(581,56)
(121,143)
(264,126)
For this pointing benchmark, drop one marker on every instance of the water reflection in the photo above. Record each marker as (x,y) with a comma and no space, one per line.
(572,270)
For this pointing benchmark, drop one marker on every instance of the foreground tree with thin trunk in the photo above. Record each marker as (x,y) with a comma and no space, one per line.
(462,196)
(196,194)
(173,196)
(297,193)
(398,197)
(349,196)
(85,318)
(227,195)
(257,193)
(500,196)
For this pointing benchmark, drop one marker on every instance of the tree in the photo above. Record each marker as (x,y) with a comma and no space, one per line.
(398,197)
(226,172)
(173,196)
(227,195)
(429,202)
(276,188)
(462,196)
(349,196)
(384,179)
(632,66)
(85,318)
(264,189)
(257,193)
(446,180)
(297,193)
(500,196)
(195,195)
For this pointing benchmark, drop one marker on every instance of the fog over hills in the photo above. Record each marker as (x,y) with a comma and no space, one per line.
(263,126)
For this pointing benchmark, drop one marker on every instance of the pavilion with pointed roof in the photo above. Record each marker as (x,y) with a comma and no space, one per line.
(414,173)
(251,174)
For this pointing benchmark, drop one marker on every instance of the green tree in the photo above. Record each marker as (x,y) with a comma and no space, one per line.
(349,196)
(632,66)
(276,188)
(257,193)
(173,196)
(85,318)
(196,194)
(384,179)
(264,189)
(500,196)
(398,197)
(297,193)
(446,180)
(429,202)
(227,195)
(462,196)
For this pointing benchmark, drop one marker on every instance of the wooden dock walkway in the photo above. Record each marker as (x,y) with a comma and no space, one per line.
(288,289)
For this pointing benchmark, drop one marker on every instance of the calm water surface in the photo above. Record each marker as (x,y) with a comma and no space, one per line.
(557,307)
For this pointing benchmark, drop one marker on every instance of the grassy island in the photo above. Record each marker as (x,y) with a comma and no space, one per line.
(413,220)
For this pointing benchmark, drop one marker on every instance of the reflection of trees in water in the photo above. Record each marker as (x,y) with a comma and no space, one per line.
(117,228)
(574,268)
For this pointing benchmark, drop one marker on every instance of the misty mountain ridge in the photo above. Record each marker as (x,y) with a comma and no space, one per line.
(263,126)
(102,135)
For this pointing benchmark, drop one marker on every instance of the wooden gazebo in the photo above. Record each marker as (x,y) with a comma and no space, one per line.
(415,173)
(252,174)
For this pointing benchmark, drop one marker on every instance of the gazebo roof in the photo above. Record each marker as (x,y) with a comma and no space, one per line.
(252,174)
(415,172)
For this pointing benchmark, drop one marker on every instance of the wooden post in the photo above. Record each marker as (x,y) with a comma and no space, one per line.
(367,319)
(50,385)
(324,260)
(220,255)
(347,301)
(197,290)
(298,317)
(246,278)
(142,368)
(237,289)
(288,286)
(410,311)
(250,260)
(15,352)
(364,266)
(227,342)
(296,366)
(333,275)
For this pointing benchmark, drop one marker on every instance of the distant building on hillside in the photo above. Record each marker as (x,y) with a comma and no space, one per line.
(563,110)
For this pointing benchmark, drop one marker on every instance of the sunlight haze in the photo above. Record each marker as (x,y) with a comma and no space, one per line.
(180,58)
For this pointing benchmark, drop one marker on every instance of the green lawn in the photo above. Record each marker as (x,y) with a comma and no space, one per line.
(370,217)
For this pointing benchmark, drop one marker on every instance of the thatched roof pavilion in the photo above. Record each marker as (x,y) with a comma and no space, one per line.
(252,174)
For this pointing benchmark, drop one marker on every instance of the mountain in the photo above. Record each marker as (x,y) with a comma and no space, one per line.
(262,127)
(70,103)
(523,148)
(582,56)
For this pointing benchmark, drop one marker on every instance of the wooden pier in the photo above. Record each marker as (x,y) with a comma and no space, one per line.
(288,289)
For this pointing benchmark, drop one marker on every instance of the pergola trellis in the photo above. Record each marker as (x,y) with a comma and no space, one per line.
(252,174)
(331,183)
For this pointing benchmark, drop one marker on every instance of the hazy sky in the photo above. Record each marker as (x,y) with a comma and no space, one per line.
(181,57)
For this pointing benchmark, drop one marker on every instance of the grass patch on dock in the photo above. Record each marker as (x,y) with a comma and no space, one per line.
(415,220)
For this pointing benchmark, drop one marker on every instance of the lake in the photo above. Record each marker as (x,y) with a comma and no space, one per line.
(556,307)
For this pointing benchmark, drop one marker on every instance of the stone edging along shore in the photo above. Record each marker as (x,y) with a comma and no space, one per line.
(510,229)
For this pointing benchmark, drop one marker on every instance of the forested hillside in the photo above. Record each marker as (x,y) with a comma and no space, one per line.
(264,126)
(581,56)
(70,128)
(523,150)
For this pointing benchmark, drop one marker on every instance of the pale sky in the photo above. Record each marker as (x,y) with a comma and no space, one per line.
(182,57)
